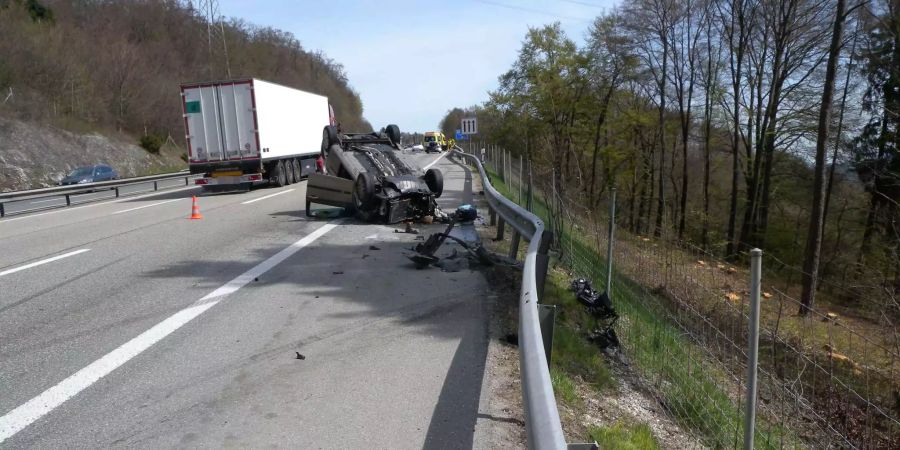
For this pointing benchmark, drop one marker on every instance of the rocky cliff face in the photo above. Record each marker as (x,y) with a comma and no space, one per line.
(36,155)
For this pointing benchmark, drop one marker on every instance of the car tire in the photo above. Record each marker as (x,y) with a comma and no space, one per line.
(435,181)
(393,133)
(278,177)
(363,191)
(308,212)
(329,138)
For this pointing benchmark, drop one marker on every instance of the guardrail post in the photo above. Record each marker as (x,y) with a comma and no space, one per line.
(514,244)
(117,192)
(547,319)
(542,262)
(493,215)
(155,185)
(2,211)
(68,200)
(501,227)
(187,181)
(752,347)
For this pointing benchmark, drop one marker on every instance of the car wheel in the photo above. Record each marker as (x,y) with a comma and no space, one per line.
(363,191)
(308,212)
(393,133)
(278,178)
(329,137)
(435,181)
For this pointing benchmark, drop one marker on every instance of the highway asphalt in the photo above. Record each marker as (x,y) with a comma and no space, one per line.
(124,324)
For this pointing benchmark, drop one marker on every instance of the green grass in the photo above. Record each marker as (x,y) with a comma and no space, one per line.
(624,437)
(692,390)
(563,387)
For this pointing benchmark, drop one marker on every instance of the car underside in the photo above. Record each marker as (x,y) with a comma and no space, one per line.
(366,176)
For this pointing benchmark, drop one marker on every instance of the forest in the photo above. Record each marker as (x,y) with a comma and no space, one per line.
(116,66)
(728,125)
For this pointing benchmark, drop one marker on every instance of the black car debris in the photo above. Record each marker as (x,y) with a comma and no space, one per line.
(366,176)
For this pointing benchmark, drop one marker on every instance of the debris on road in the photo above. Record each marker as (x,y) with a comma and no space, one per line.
(372,247)
(409,229)
(299,356)
(337,273)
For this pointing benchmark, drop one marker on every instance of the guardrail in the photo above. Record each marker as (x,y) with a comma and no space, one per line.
(76,189)
(542,423)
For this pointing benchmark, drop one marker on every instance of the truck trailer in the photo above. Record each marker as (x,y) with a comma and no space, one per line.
(247,131)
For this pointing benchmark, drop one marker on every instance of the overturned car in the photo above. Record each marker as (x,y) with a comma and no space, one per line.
(366,176)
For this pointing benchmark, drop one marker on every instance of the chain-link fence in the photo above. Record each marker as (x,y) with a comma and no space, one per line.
(824,381)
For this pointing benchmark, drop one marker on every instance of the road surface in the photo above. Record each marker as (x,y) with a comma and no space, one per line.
(123,324)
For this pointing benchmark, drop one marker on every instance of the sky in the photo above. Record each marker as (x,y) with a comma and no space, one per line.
(412,61)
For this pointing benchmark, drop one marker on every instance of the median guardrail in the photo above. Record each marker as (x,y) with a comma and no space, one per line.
(542,423)
(77,189)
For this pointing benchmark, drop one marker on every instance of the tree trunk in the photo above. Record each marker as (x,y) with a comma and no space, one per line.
(661,204)
(814,238)
(837,140)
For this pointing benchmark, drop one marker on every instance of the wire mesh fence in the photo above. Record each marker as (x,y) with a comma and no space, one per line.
(824,381)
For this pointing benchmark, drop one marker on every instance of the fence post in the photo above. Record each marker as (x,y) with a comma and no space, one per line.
(529,203)
(609,243)
(752,347)
(520,179)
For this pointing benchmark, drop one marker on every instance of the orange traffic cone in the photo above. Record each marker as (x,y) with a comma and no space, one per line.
(195,209)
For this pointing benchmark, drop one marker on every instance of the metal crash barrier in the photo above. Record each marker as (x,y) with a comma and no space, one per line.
(542,423)
(67,192)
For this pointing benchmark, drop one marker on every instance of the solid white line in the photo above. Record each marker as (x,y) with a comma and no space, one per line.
(268,196)
(24,415)
(43,261)
(147,206)
(89,205)
(435,161)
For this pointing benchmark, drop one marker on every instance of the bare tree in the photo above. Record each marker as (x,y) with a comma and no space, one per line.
(814,237)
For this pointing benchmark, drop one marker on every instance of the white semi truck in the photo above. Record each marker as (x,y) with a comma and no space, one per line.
(241,132)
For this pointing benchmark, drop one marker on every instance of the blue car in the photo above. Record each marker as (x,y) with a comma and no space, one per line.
(90,174)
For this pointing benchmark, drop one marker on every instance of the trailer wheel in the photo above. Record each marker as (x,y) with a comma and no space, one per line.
(363,191)
(278,178)
(435,181)
(329,138)
(393,133)
(288,172)
(298,170)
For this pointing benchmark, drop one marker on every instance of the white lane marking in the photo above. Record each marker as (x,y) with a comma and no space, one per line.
(90,205)
(43,261)
(32,410)
(147,206)
(372,236)
(435,161)
(265,197)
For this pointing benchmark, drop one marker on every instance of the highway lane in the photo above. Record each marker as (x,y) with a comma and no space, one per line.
(394,356)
